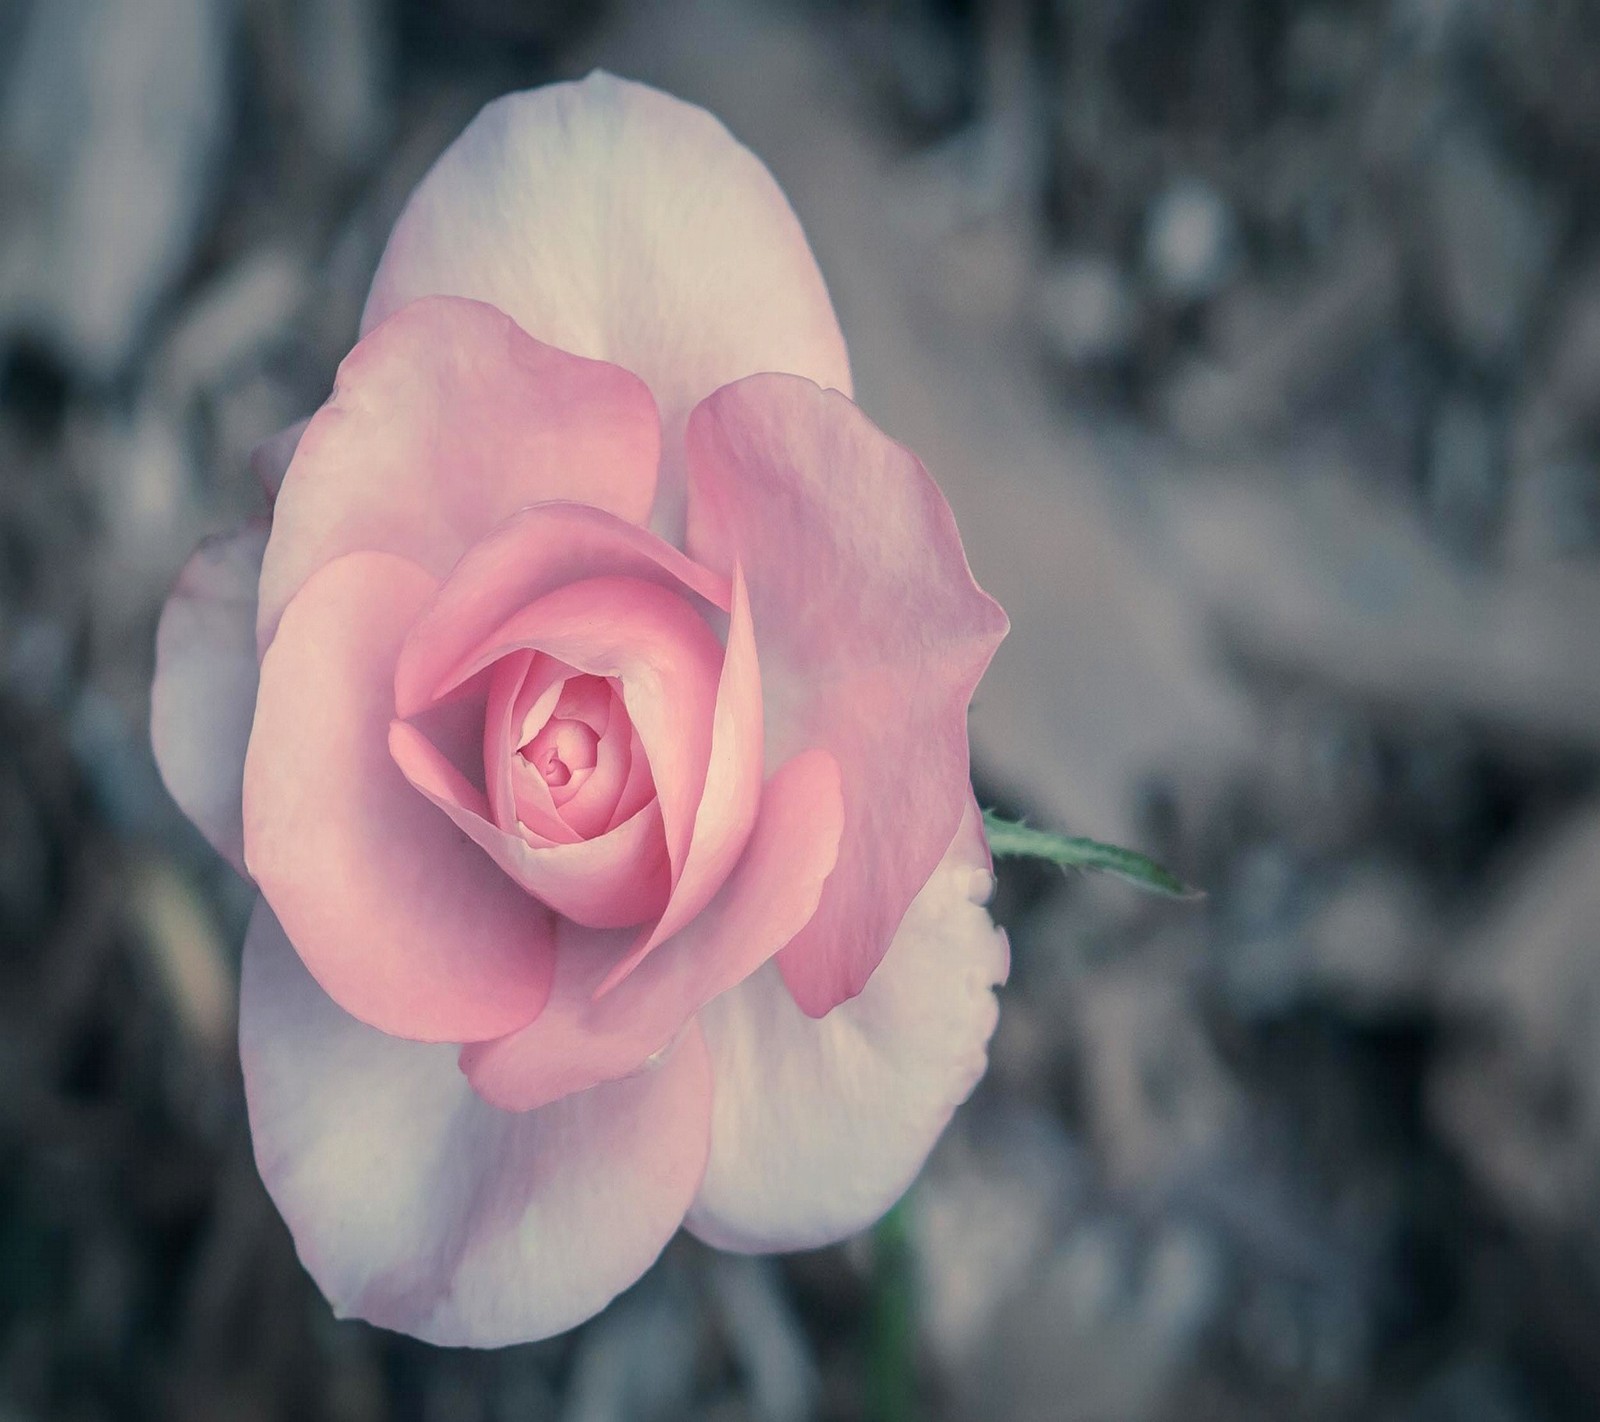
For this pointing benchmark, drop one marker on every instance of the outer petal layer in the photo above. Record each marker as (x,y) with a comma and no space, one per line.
(819,1126)
(443,422)
(270,460)
(417,1207)
(205,685)
(611,220)
(873,636)
(399,916)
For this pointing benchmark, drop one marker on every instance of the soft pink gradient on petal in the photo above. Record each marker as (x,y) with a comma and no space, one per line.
(416,1206)
(612,220)
(727,809)
(580,1038)
(400,917)
(534,552)
(666,659)
(270,460)
(617,879)
(204,694)
(638,788)
(588,700)
(442,422)
(818,1126)
(873,636)
(430,771)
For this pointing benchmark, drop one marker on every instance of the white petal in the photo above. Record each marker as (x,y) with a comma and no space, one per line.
(270,460)
(204,694)
(613,221)
(417,1206)
(819,1125)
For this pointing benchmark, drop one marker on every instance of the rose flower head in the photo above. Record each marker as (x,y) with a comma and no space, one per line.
(590,715)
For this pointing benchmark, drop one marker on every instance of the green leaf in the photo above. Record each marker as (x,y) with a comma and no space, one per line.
(1010,839)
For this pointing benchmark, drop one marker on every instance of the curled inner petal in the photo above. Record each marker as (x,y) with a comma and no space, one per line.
(600,700)
(561,750)
(523,688)
(559,744)
(593,824)
(588,699)
(658,650)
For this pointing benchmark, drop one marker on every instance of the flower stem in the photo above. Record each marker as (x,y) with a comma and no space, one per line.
(891,1342)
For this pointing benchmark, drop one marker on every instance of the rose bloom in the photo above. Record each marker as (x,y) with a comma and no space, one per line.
(591,717)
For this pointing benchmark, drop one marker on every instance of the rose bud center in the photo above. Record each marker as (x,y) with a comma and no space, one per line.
(560,749)
(562,757)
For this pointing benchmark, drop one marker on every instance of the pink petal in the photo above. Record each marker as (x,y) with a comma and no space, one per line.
(443,421)
(638,789)
(518,684)
(617,879)
(580,1038)
(417,1207)
(401,918)
(727,809)
(589,701)
(589,809)
(430,771)
(818,1126)
(611,220)
(270,460)
(872,633)
(532,553)
(663,654)
(204,693)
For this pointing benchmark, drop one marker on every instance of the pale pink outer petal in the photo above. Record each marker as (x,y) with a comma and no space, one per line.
(873,636)
(580,1039)
(204,693)
(444,421)
(818,1126)
(400,917)
(534,552)
(270,460)
(614,221)
(416,1206)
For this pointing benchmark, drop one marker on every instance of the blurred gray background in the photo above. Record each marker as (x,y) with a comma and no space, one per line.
(1257,346)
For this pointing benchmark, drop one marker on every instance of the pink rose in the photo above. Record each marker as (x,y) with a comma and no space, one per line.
(592,720)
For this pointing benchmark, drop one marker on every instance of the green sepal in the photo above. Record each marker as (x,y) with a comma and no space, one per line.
(1010,839)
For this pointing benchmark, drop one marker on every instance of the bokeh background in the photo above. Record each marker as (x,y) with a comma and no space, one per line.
(1257,346)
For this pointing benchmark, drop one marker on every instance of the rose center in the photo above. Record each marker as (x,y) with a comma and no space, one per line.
(560,750)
